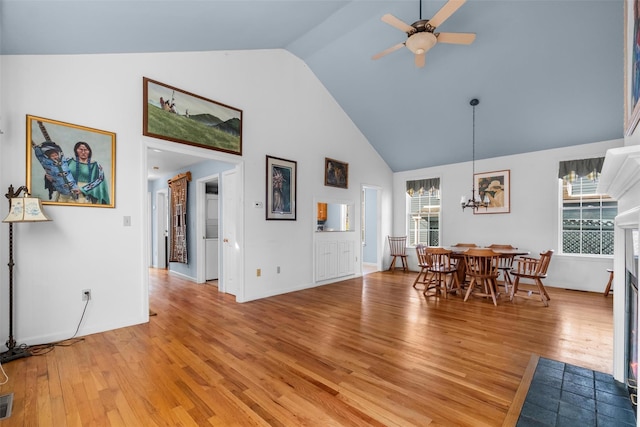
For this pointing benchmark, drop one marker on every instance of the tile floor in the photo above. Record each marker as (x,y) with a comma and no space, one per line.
(567,395)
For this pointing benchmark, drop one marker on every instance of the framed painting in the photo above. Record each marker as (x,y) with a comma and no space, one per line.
(496,187)
(281,189)
(632,65)
(176,115)
(69,164)
(336,173)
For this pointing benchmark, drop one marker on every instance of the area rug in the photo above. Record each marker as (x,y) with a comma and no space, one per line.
(554,393)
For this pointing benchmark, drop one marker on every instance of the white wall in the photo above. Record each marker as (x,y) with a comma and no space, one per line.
(287,113)
(533,221)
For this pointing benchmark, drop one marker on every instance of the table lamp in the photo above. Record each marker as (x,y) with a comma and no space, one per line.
(21,209)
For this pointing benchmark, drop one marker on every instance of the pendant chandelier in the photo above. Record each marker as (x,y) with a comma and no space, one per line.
(474,202)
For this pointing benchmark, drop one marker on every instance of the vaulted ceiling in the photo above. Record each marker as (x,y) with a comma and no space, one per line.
(548,73)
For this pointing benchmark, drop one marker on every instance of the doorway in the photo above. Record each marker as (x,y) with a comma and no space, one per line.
(370,229)
(185,156)
(208,228)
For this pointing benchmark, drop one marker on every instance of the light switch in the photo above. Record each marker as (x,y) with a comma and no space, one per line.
(126,221)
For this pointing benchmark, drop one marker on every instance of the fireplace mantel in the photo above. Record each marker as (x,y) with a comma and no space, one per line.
(621,171)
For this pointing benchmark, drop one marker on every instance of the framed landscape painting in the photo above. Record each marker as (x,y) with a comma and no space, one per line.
(496,187)
(70,164)
(176,115)
(281,189)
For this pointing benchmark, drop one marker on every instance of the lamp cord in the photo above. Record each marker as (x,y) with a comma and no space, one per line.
(40,349)
(6,377)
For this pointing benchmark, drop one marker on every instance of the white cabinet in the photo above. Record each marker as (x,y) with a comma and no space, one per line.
(212,217)
(326,260)
(345,258)
(333,259)
(211,257)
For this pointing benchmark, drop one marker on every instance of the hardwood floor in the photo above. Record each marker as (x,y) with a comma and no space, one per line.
(370,351)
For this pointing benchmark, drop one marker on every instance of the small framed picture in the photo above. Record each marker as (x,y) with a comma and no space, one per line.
(70,164)
(281,189)
(336,173)
(497,189)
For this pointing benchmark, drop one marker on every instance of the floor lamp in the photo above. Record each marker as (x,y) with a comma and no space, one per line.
(21,209)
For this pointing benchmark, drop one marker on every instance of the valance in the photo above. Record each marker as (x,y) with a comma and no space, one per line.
(571,170)
(423,186)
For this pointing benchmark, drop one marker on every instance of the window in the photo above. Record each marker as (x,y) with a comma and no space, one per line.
(587,217)
(423,211)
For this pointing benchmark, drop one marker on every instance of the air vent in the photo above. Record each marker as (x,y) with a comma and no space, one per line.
(6,402)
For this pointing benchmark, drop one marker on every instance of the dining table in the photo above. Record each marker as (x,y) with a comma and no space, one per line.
(458,253)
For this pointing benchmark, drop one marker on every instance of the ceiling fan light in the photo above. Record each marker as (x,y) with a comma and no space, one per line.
(419,43)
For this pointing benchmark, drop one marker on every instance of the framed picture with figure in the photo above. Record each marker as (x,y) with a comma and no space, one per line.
(496,188)
(281,189)
(631,65)
(336,173)
(70,164)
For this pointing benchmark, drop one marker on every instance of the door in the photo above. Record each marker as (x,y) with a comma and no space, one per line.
(230,250)
(161,229)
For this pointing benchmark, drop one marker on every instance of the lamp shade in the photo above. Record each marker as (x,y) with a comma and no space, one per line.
(26,209)
(420,43)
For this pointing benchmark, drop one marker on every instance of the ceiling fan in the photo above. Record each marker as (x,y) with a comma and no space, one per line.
(421,35)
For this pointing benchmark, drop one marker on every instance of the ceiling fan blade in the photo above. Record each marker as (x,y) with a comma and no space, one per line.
(387,51)
(445,12)
(456,38)
(420,60)
(395,22)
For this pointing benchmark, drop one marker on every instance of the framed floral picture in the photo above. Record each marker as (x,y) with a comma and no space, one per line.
(281,189)
(70,164)
(495,187)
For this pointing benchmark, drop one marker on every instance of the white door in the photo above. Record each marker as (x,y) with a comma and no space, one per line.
(230,250)
(161,228)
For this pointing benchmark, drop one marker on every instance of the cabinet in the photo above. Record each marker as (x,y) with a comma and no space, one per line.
(345,258)
(211,257)
(211,217)
(326,260)
(334,258)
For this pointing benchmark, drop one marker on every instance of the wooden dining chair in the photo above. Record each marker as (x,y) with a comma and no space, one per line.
(534,269)
(423,263)
(505,263)
(607,289)
(398,249)
(482,268)
(444,272)
(465,245)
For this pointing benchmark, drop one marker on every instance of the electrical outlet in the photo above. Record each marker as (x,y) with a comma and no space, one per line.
(278,269)
(86,294)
